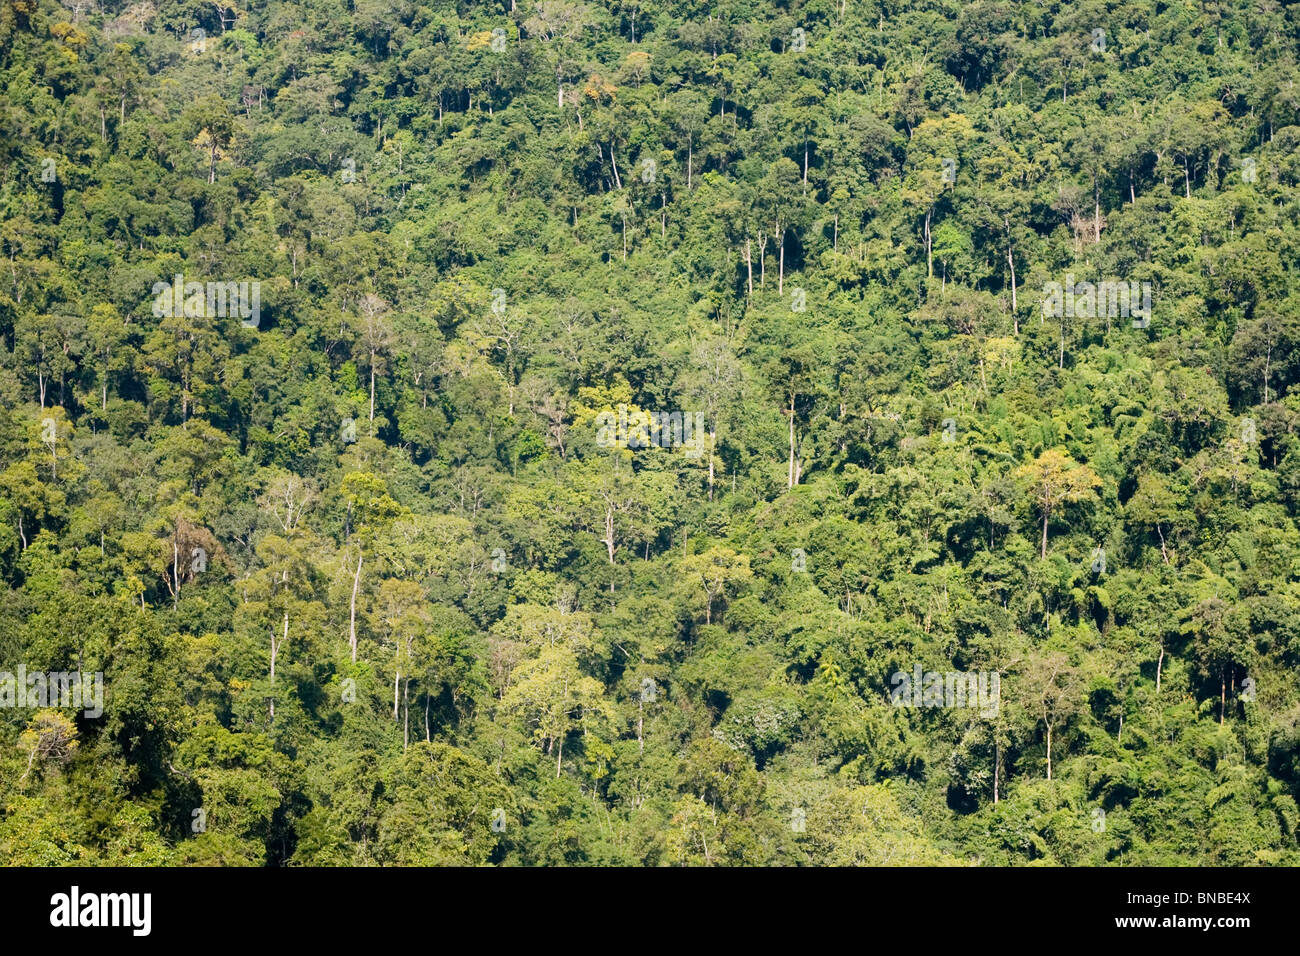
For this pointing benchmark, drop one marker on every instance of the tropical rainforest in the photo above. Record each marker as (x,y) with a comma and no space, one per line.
(605,403)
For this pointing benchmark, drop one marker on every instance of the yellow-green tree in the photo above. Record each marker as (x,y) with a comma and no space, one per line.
(1055,479)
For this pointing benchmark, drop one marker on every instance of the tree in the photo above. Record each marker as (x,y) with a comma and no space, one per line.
(555,698)
(1054,479)
(370,510)
(1051,687)
(719,572)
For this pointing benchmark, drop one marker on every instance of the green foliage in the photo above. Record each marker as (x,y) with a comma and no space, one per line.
(634,393)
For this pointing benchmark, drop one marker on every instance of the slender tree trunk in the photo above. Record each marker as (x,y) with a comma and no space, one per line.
(713,446)
(1011,262)
(1160,664)
(1049,751)
(780,277)
(1096,212)
(997,763)
(789,474)
(372,393)
(749,267)
(352,614)
(929,254)
(1043,555)
(275,653)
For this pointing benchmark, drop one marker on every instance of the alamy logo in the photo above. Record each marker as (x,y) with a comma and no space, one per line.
(208,300)
(947,689)
(133,910)
(53,689)
(1086,300)
(642,429)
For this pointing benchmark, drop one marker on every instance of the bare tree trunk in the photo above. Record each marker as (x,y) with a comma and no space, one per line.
(352,616)
(1011,261)
(997,762)
(1096,212)
(780,276)
(929,255)
(713,445)
(275,653)
(789,475)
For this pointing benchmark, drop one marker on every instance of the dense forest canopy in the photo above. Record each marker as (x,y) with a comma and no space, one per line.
(577,432)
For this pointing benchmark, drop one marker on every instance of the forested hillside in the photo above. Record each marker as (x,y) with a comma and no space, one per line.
(588,412)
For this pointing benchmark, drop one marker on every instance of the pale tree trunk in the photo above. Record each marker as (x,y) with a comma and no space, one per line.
(1011,262)
(997,762)
(1049,751)
(713,446)
(275,653)
(789,475)
(1160,664)
(352,614)
(1096,212)
(929,255)
(609,533)
(780,276)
